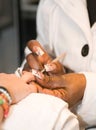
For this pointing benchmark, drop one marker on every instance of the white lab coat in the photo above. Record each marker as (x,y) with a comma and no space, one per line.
(63,27)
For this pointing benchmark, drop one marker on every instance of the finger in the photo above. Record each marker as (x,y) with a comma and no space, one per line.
(27,77)
(55,68)
(60,93)
(49,81)
(33,62)
(37,49)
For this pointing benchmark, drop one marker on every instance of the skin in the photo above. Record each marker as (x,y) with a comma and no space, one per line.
(37,62)
(69,87)
(17,87)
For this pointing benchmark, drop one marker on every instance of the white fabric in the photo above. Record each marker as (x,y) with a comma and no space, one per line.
(40,112)
(63,27)
(67,31)
(87,109)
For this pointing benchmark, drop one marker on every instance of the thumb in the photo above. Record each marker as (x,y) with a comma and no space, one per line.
(49,81)
(55,68)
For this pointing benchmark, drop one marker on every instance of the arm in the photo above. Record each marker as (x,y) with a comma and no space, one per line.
(17,87)
(12,90)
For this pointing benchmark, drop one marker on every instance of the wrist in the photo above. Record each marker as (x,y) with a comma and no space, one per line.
(1,113)
(75,86)
(5,100)
(76,78)
(4,91)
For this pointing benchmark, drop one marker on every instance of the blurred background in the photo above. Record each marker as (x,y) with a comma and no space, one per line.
(17,26)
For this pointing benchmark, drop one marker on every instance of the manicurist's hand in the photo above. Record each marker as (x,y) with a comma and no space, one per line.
(17,87)
(39,59)
(69,87)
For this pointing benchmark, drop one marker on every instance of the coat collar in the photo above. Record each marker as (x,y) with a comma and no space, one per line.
(77,11)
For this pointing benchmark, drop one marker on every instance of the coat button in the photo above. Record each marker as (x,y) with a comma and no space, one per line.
(85,50)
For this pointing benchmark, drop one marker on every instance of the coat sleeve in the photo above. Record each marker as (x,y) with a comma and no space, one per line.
(87,109)
(44,24)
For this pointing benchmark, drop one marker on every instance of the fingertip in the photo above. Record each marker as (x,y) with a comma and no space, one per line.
(38,50)
(50,67)
(38,74)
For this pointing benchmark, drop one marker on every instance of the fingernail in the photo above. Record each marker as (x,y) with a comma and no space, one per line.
(50,67)
(38,50)
(37,74)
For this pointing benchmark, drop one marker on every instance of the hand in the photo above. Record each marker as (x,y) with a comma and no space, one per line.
(39,58)
(69,87)
(17,87)
(29,78)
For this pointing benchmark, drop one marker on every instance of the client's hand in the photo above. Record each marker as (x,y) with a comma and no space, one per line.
(39,58)
(17,87)
(69,87)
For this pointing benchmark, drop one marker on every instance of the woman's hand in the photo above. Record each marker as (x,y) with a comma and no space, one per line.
(39,58)
(69,87)
(17,87)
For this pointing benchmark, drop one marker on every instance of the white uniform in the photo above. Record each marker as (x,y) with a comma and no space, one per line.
(63,27)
